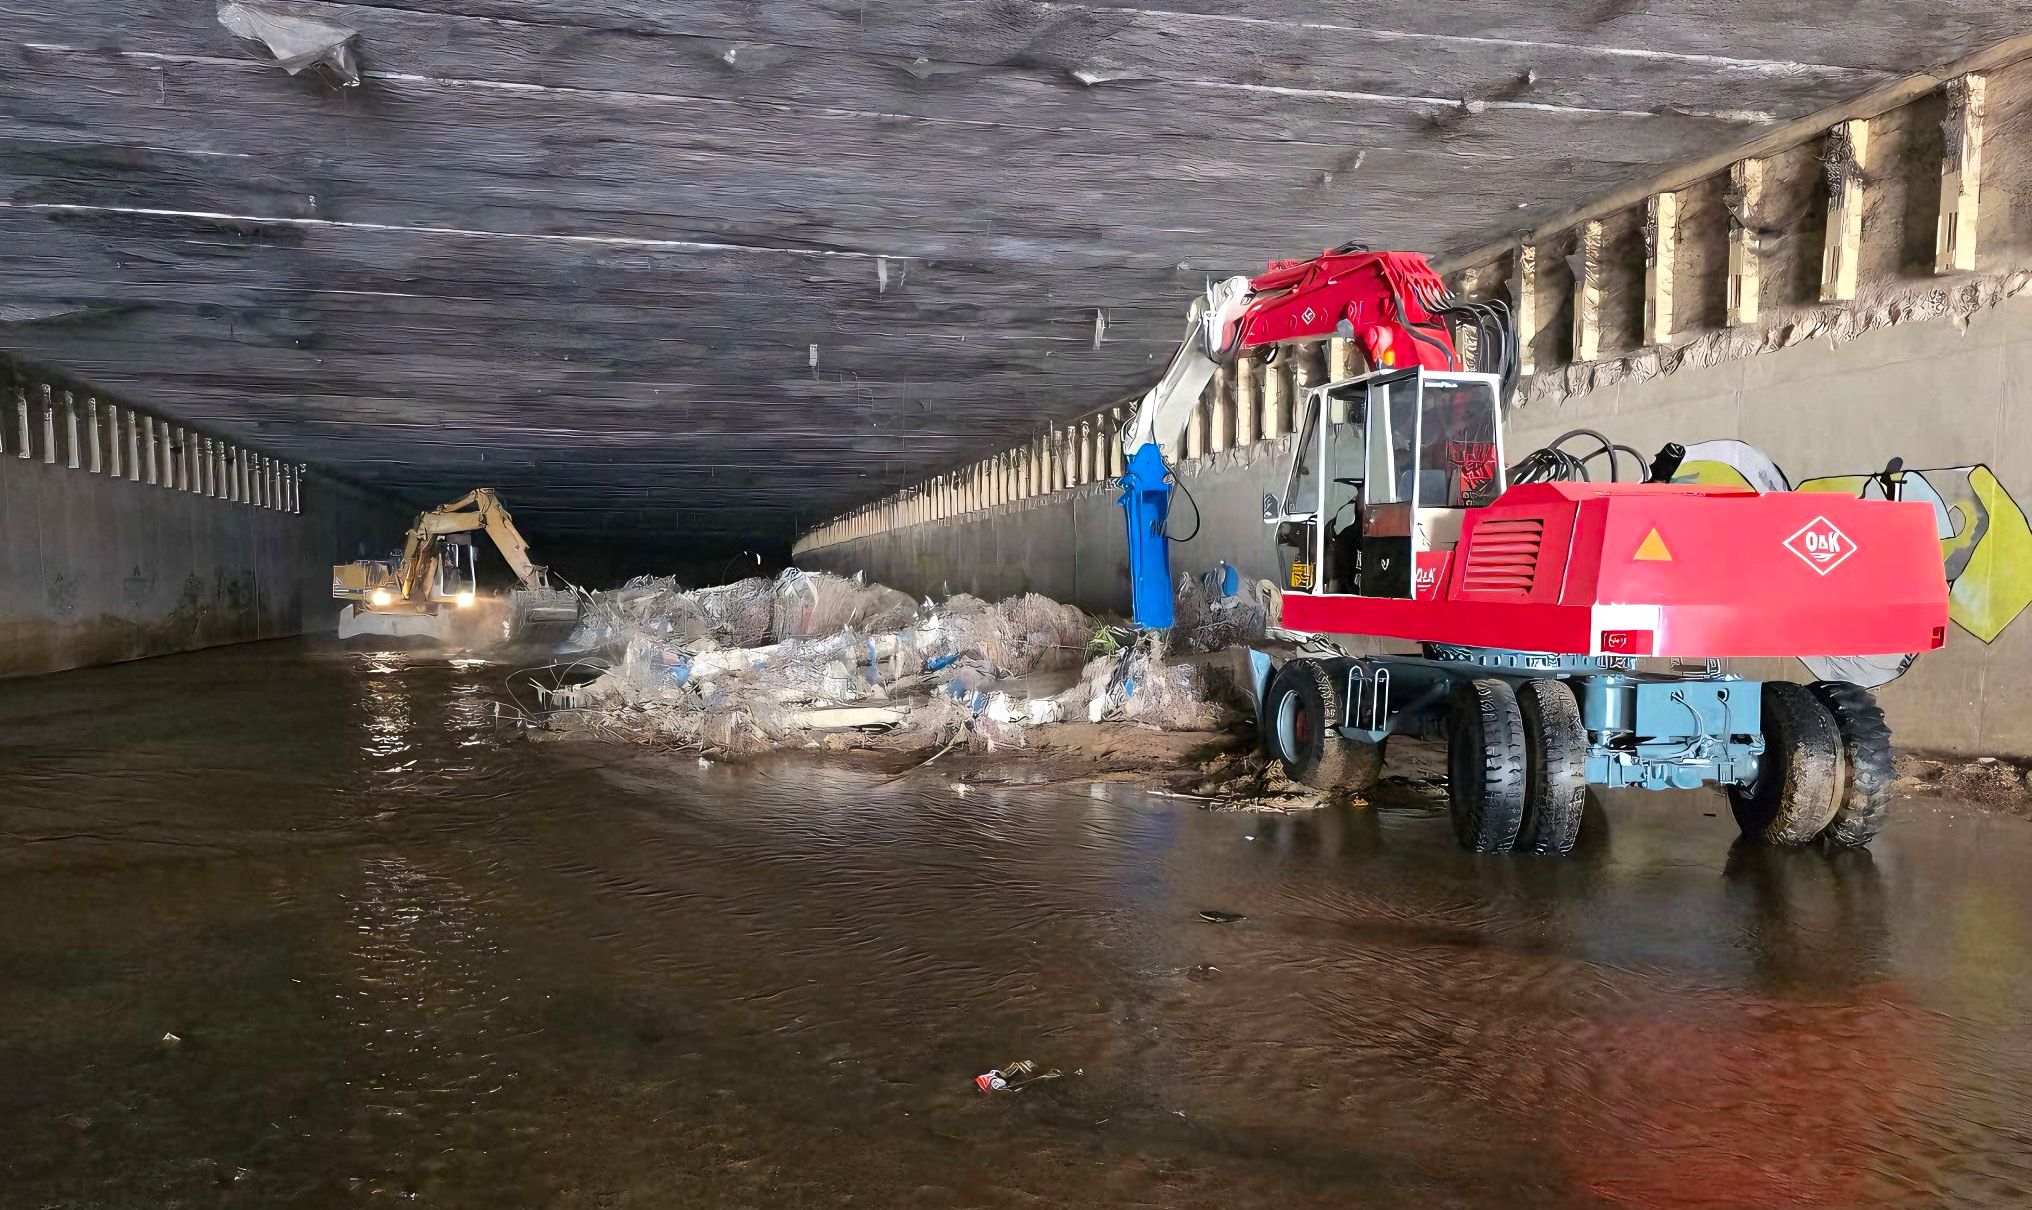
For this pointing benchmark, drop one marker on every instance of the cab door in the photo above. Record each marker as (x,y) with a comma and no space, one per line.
(1434,451)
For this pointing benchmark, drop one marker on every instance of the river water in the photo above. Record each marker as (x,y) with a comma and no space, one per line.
(288,926)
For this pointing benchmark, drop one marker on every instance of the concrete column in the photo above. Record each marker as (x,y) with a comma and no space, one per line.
(1342,358)
(1307,369)
(98,460)
(1117,460)
(296,487)
(1587,294)
(1196,425)
(1745,198)
(1247,406)
(48,426)
(115,443)
(1847,159)
(1276,393)
(1961,174)
(1083,454)
(133,446)
(71,451)
(1221,416)
(21,422)
(1524,306)
(154,454)
(1661,249)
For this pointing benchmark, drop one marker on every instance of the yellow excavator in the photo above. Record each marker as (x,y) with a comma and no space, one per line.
(432,591)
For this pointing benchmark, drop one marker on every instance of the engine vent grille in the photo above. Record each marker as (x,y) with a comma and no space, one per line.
(1503,557)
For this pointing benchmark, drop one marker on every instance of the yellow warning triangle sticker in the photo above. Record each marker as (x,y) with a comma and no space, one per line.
(1652,549)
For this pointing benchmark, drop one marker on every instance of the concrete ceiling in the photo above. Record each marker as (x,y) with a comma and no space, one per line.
(708,270)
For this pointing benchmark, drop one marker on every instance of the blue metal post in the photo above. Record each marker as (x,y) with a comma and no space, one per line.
(1146,501)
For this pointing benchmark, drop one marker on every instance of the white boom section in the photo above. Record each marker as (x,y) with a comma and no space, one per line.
(1165,409)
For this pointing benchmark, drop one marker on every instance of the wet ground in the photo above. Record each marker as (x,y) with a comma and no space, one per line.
(290,927)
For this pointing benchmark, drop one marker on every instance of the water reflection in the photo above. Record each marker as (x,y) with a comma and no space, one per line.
(410,956)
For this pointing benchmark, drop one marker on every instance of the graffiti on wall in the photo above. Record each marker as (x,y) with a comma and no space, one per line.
(1985,541)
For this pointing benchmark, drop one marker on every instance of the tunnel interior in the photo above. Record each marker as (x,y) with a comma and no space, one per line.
(682,280)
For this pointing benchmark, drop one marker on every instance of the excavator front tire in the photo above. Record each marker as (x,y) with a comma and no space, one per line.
(1299,716)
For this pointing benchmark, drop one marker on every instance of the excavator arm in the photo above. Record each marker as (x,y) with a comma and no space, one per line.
(477,509)
(1392,305)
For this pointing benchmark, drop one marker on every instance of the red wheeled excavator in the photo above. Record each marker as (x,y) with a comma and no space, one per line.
(1568,631)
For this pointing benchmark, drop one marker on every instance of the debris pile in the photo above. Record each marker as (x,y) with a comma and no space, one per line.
(818,660)
(1216,611)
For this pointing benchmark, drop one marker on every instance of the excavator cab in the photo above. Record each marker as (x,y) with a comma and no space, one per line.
(1384,470)
(456,577)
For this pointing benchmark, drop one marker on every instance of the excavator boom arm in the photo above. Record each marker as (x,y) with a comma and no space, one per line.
(1392,305)
(477,509)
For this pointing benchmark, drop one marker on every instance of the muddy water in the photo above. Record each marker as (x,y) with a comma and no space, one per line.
(406,957)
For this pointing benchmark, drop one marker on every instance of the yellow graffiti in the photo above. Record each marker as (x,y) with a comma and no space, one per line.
(1709,473)
(1985,541)
(1995,586)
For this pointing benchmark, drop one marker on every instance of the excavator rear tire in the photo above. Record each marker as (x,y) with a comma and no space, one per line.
(1301,707)
(1485,765)
(1865,801)
(1798,784)
(1555,766)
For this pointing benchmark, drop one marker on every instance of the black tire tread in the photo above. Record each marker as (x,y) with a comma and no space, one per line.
(1555,767)
(1485,765)
(1865,801)
(1794,797)
(1333,763)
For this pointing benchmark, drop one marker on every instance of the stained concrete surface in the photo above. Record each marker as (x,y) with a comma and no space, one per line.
(353,943)
(718,270)
(95,569)
(1948,400)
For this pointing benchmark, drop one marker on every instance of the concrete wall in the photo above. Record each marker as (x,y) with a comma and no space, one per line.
(1955,404)
(95,569)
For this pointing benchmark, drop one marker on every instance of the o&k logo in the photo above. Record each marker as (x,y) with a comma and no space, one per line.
(1821,545)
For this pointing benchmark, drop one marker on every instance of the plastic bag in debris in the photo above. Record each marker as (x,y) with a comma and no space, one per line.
(1017,637)
(813,603)
(298,43)
(1137,684)
(1219,610)
(655,608)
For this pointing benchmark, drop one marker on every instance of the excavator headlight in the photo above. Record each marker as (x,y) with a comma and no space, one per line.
(381,598)
(464,600)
